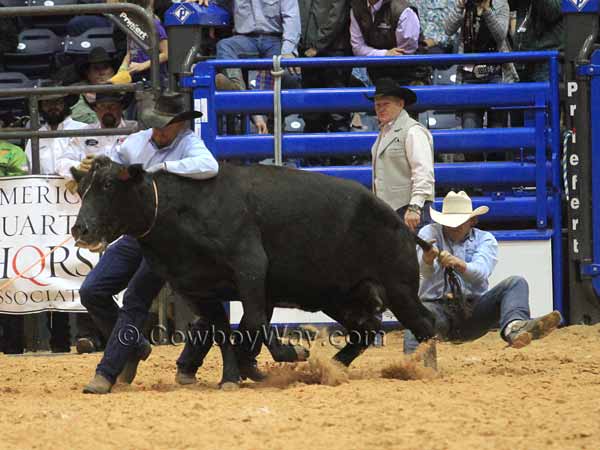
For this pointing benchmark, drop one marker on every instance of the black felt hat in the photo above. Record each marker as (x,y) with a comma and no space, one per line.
(389,88)
(69,99)
(169,108)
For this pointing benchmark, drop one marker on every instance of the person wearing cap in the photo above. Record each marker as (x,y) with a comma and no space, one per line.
(55,111)
(99,68)
(108,108)
(402,156)
(472,254)
(170,146)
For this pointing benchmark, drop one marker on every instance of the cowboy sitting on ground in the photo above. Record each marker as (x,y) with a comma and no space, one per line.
(464,257)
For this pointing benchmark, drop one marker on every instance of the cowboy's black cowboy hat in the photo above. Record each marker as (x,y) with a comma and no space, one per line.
(387,87)
(169,108)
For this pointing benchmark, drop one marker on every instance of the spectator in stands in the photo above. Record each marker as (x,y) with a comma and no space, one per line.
(137,61)
(98,69)
(539,26)
(13,162)
(371,25)
(262,29)
(464,306)
(484,28)
(55,111)
(402,156)
(109,109)
(325,33)
(432,14)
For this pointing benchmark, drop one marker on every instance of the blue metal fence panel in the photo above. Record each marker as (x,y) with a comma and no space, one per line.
(453,174)
(355,99)
(302,145)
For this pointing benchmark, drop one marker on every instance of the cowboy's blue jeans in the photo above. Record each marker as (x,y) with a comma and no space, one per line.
(505,302)
(121,266)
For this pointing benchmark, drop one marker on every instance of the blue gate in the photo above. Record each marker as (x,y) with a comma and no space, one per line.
(528,188)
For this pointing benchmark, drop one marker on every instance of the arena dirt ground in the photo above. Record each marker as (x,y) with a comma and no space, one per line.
(486,396)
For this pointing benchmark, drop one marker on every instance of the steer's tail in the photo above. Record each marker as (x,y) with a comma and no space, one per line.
(426,246)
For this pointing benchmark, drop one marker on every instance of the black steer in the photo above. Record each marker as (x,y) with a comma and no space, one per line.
(272,236)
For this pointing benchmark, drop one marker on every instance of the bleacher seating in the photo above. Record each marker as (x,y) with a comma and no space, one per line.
(13,107)
(58,24)
(94,37)
(35,53)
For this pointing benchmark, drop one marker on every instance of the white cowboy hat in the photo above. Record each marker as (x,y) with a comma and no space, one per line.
(456,210)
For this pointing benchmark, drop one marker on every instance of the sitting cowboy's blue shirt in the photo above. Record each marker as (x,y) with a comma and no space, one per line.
(479,250)
(186,156)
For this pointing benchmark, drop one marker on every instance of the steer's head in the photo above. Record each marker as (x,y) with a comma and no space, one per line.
(114,201)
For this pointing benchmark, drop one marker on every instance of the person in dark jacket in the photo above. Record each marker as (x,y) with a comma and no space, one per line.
(325,32)
(539,26)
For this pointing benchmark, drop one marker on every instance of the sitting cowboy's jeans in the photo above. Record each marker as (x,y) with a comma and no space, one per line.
(505,302)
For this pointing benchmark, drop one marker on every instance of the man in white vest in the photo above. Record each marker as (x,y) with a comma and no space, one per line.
(402,156)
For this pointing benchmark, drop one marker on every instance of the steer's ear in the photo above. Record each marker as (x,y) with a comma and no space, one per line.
(77,174)
(134,173)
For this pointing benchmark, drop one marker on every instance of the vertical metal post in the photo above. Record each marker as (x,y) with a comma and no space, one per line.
(540,161)
(277,131)
(34,124)
(594,120)
(203,85)
(557,250)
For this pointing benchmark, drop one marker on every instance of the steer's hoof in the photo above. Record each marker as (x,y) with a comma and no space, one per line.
(302,353)
(228,386)
(251,371)
(98,385)
(185,378)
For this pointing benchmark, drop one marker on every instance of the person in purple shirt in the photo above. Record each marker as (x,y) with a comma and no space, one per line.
(137,61)
(386,28)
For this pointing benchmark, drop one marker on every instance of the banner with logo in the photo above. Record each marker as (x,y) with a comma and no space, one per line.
(40,268)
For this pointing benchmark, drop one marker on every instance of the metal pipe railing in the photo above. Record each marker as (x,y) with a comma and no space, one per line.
(32,93)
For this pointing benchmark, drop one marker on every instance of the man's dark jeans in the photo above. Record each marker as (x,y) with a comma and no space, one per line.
(121,266)
(505,302)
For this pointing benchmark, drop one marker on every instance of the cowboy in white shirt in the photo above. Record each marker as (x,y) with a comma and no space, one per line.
(56,113)
(109,109)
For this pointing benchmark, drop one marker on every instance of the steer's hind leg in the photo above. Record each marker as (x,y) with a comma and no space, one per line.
(403,301)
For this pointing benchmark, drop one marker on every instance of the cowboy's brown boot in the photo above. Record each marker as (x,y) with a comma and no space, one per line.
(98,385)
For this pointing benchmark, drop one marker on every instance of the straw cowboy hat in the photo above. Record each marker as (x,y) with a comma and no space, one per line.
(456,210)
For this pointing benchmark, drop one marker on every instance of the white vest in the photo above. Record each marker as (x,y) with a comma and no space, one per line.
(391,175)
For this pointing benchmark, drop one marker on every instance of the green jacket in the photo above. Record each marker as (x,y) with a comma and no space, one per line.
(13,160)
(544,29)
(82,112)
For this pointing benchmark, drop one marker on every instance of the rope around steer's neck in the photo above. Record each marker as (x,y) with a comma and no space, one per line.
(145,233)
